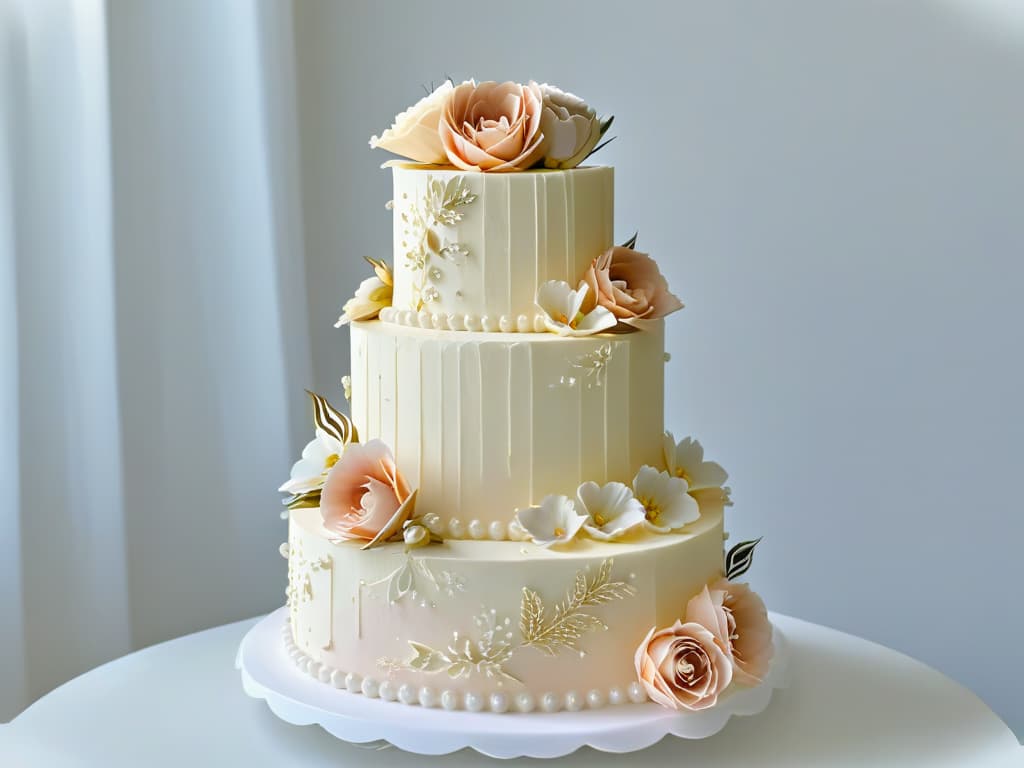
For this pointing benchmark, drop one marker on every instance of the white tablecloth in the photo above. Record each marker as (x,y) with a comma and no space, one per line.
(180,703)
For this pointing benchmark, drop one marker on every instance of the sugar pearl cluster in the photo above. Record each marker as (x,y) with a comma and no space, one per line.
(455,528)
(459,322)
(426,696)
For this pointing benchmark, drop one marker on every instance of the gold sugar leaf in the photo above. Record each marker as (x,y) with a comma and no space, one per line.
(304,500)
(332,421)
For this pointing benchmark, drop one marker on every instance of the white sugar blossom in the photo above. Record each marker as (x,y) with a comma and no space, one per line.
(373,295)
(705,480)
(667,505)
(562,310)
(611,509)
(571,128)
(414,133)
(320,454)
(555,521)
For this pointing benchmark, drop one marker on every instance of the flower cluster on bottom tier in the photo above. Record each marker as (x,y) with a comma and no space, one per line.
(498,625)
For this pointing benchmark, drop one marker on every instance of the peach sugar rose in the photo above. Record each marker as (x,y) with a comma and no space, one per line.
(363,492)
(726,637)
(493,126)
(684,666)
(630,285)
(750,632)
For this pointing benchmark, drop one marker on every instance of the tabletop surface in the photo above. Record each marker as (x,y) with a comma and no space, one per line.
(848,702)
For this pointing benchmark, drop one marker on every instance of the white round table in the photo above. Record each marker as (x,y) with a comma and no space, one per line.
(849,702)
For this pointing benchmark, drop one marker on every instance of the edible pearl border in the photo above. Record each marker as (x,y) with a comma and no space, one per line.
(456,529)
(498,702)
(456,322)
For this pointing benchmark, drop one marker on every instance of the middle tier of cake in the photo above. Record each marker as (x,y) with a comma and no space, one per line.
(484,424)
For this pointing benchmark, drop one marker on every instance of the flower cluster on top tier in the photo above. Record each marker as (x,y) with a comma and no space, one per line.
(496,127)
(620,286)
(659,501)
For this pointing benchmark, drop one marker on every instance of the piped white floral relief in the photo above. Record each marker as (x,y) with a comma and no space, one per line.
(483,655)
(589,369)
(549,630)
(413,581)
(425,240)
(301,591)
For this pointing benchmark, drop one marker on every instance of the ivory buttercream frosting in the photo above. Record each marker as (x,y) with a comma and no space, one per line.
(498,520)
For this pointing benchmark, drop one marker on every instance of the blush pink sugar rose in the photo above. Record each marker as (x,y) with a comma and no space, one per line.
(629,285)
(750,632)
(684,666)
(362,492)
(493,126)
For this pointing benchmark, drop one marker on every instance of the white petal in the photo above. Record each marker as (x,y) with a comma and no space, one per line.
(668,450)
(303,484)
(329,444)
(576,298)
(553,297)
(554,521)
(589,495)
(647,481)
(679,511)
(596,320)
(708,474)
(689,452)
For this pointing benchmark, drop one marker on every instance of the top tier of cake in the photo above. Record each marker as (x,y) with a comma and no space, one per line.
(471,248)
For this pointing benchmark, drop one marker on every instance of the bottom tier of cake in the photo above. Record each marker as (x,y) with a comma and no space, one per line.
(489,625)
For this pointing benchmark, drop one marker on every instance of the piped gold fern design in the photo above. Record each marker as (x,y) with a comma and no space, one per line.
(547,631)
(568,622)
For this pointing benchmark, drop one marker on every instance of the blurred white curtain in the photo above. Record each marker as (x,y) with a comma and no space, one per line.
(153,324)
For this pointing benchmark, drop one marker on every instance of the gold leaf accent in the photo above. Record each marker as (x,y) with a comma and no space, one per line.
(486,655)
(427,659)
(567,622)
(332,421)
(305,500)
(394,525)
(382,270)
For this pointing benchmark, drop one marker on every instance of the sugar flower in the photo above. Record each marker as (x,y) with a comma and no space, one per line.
(667,505)
(684,666)
(555,521)
(629,285)
(563,314)
(365,496)
(611,510)
(414,133)
(308,473)
(749,631)
(493,126)
(571,128)
(373,295)
(704,479)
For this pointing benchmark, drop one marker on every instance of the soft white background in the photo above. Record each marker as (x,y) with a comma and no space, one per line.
(835,189)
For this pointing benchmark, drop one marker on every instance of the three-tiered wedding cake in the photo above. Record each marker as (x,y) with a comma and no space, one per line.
(502,522)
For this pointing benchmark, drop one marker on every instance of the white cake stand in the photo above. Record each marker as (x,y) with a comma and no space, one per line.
(268,673)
